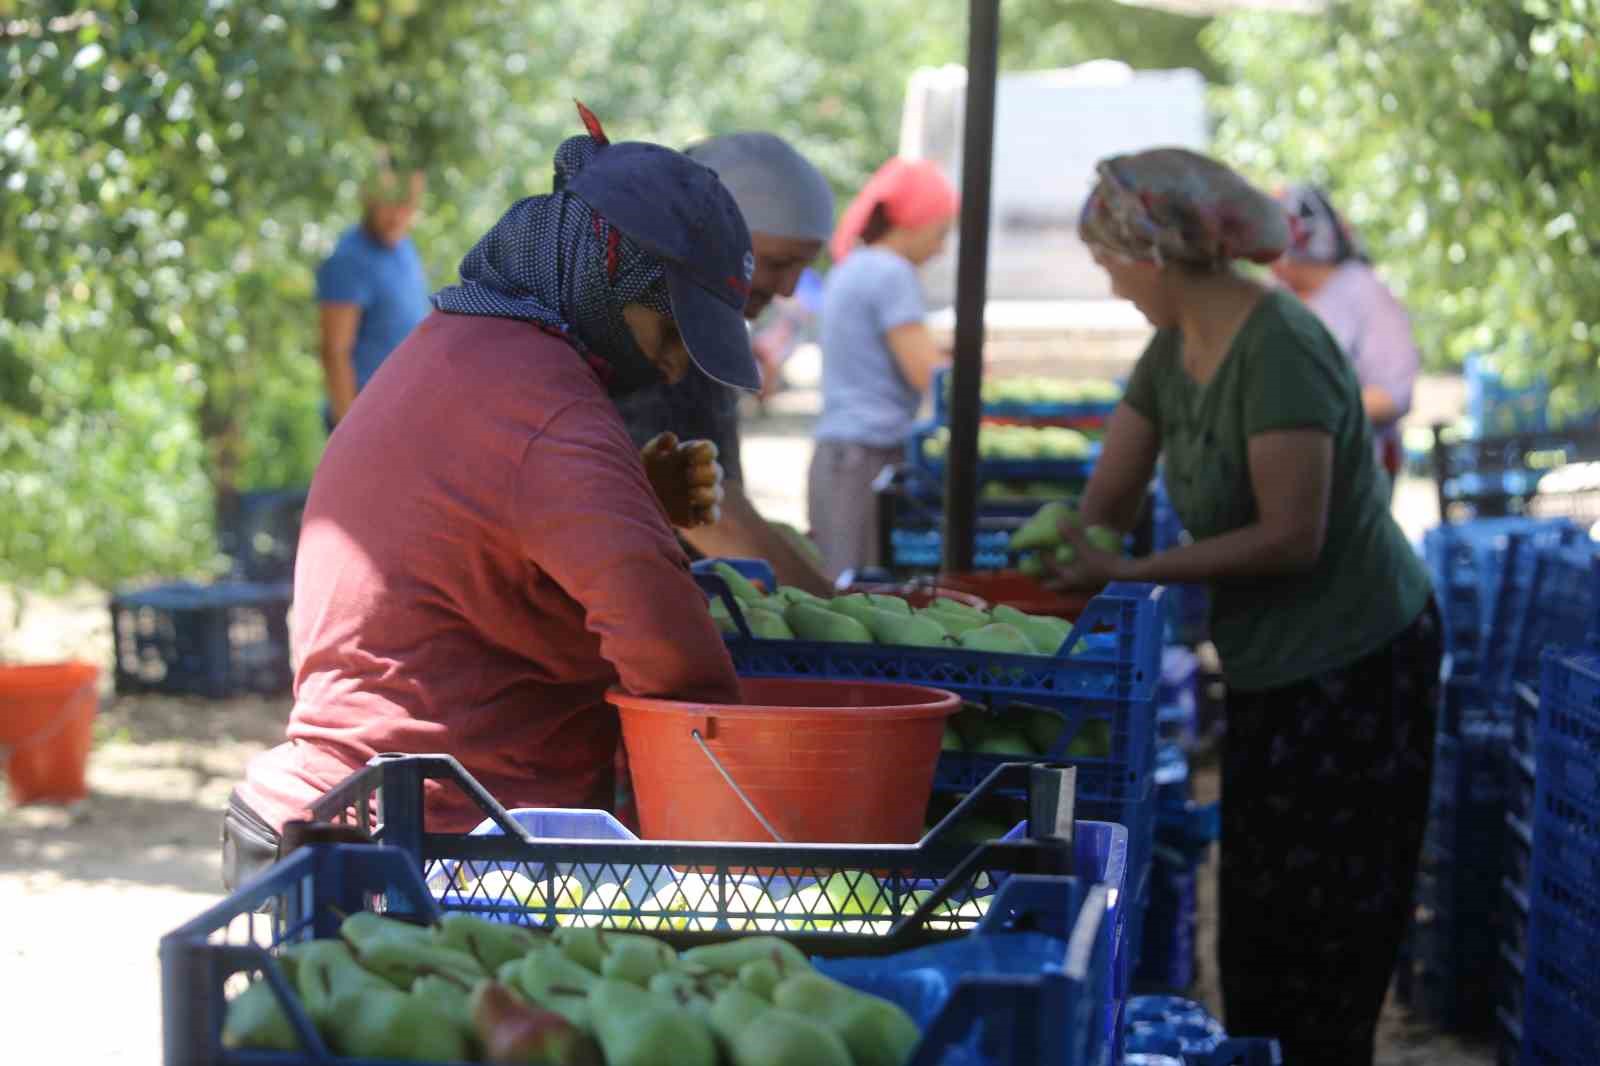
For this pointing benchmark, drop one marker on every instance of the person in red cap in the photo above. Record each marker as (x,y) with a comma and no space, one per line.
(483,552)
(878,356)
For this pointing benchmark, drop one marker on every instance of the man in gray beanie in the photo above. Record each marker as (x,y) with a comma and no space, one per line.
(788,207)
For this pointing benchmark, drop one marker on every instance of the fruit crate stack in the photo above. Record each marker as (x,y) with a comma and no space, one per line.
(1090,702)
(1550,472)
(1560,1003)
(219,640)
(1042,992)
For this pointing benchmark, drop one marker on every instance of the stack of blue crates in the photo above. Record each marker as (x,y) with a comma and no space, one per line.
(1560,1001)
(1508,589)
(1183,833)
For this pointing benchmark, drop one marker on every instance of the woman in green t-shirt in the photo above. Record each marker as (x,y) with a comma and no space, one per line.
(1321,612)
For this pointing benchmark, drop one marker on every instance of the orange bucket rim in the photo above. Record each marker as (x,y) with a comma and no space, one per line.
(15,676)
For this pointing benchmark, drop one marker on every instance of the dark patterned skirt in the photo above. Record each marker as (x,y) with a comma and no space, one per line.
(1325,798)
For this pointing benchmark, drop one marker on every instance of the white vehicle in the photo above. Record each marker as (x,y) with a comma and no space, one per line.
(1050,128)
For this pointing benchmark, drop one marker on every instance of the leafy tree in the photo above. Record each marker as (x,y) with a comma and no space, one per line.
(1461,138)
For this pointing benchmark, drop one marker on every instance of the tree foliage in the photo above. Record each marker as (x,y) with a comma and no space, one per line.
(173,172)
(1461,138)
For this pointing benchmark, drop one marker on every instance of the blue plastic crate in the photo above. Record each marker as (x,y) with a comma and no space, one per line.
(923,549)
(1511,984)
(1054,1014)
(1496,409)
(1051,412)
(1063,471)
(215,640)
(1111,676)
(1562,1005)
(1542,598)
(260,531)
(1168,937)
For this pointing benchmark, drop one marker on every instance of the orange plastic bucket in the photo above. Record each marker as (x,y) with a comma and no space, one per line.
(822,761)
(46,728)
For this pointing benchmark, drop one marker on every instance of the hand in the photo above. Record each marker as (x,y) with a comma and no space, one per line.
(1091,569)
(687,479)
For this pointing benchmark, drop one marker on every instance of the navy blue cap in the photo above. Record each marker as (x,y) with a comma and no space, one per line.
(680,212)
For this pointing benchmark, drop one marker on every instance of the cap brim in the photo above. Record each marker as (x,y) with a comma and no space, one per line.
(715,334)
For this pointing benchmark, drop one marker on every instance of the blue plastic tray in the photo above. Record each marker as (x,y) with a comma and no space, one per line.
(1054,1013)
(217,640)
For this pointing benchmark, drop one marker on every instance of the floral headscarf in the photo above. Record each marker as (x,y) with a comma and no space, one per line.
(1171,205)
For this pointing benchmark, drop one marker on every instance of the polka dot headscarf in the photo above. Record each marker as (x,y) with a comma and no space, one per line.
(554,261)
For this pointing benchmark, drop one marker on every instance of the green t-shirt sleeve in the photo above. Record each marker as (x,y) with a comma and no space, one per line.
(1140,393)
(1295,378)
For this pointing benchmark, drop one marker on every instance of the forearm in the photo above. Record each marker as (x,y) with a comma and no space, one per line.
(339,374)
(1382,410)
(1253,551)
(743,533)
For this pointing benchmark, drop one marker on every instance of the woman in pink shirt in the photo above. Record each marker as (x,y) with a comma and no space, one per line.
(1327,267)
(483,552)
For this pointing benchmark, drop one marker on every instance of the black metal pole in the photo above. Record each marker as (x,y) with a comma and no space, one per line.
(972,284)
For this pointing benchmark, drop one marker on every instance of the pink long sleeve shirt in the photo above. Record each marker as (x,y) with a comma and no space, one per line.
(481,557)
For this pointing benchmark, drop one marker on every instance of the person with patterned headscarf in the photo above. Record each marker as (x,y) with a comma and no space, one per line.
(483,552)
(1327,267)
(1322,614)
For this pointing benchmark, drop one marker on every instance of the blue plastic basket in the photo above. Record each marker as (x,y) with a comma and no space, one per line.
(1055,1014)
(204,640)
(1112,677)
(1062,471)
(1050,412)
(1562,1006)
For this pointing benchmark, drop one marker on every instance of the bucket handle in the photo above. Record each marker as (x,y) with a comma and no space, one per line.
(56,724)
(700,741)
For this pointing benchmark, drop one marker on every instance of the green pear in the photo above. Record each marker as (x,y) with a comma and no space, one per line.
(741,587)
(906,630)
(492,943)
(789,594)
(952,740)
(1007,742)
(877,1032)
(1092,740)
(950,606)
(997,637)
(401,963)
(452,997)
(761,976)
(954,624)
(364,929)
(767,624)
(1043,530)
(857,605)
(585,946)
(885,602)
(1065,555)
(728,956)
(384,1023)
(512,1030)
(606,906)
(325,970)
(754,1034)
(723,618)
(1044,729)
(1045,633)
(688,989)
(811,909)
(972,721)
(636,1028)
(256,1021)
(636,959)
(1030,565)
(814,622)
(1107,540)
(553,981)
(856,893)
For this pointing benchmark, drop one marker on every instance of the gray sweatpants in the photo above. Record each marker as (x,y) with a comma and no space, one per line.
(842,507)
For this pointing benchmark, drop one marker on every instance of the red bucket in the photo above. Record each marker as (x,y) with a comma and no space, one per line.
(820,761)
(46,729)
